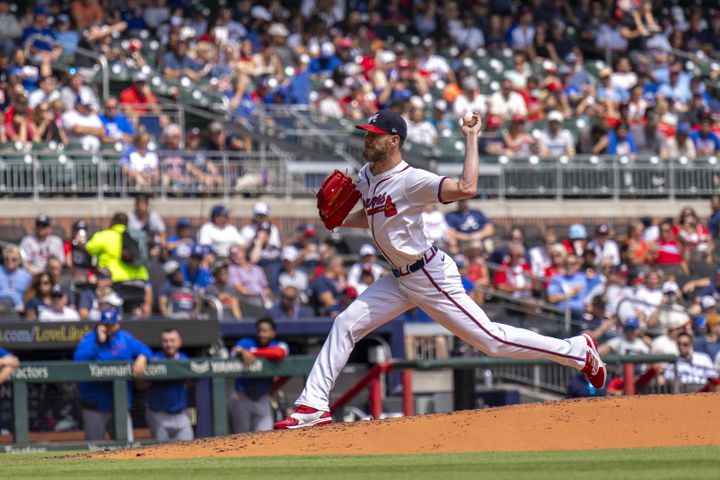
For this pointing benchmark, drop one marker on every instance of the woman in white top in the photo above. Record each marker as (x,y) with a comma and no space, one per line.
(140,163)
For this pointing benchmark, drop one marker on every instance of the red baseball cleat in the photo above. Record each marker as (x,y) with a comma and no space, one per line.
(304,417)
(594,369)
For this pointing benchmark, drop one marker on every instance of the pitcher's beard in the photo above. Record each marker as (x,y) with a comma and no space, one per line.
(373,156)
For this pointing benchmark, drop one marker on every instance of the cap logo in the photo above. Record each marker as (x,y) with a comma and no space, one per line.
(374,118)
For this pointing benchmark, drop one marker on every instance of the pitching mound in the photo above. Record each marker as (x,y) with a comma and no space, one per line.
(624,422)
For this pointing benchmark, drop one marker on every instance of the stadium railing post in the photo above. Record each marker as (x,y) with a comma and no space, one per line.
(408,397)
(220,424)
(120,409)
(20,413)
(375,397)
(629,385)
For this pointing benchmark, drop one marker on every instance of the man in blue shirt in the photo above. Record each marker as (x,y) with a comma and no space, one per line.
(176,298)
(107,343)
(706,141)
(117,127)
(249,406)
(568,287)
(40,26)
(198,277)
(167,401)
(8,364)
(467,225)
(177,64)
(14,279)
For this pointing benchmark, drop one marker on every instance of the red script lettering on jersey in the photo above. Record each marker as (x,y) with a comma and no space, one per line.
(380,203)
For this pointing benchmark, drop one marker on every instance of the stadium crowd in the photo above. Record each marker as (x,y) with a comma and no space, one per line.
(349,59)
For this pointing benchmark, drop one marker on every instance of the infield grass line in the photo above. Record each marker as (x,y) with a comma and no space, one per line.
(697,463)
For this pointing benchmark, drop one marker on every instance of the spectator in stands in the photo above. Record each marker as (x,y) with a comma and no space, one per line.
(467,225)
(166,402)
(713,223)
(138,100)
(66,36)
(117,126)
(423,132)
(107,245)
(507,103)
(176,298)
(223,291)
(621,141)
(198,277)
(38,295)
(680,144)
(10,30)
(557,262)
(706,141)
(174,165)
(329,285)
(261,232)
(649,140)
(629,343)
(523,33)
(142,217)
(514,275)
(8,363)
(347,297)
(606,250)
(710,342)
(518,141)
(248,279)
(58,311)
(42,245)
(14,279)
(667,252)
(693,236)
(576,243)
(176,63)
(41,50)
(47,92)
(367,264)
(288,307)
(76,257)
(98,297)
(75,90)
(249,406)
(107,342)
(469,100)
(83,125)
(290,275)
(18,125)
(218,234)
(141,163)
(693,368)
(46,126)
(540,256)
(618,295)
(567,288)
(668,313)
(556,141)
(181,244)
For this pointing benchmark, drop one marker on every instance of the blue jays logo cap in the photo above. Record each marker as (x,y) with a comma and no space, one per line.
(386,122)
(109,315)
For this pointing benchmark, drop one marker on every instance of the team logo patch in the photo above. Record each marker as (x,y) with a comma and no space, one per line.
(380,203)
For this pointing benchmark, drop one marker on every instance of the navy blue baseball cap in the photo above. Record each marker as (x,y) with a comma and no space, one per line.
(183,222)
(198,251)
(386,122)
(109,316)
(219,210)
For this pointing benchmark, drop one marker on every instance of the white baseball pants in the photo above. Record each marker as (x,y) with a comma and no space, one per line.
(438,290)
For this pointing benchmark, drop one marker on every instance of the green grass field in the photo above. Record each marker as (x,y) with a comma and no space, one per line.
(637,464)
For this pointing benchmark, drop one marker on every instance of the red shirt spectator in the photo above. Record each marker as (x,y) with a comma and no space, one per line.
(515,275)
(138,94)
(667,249)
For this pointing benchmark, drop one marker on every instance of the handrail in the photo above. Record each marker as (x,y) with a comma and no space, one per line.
(80,50)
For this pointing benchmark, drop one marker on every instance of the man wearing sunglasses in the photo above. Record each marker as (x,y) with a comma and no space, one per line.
(14,279)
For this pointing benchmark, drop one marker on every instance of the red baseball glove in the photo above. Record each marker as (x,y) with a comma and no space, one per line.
(336,197)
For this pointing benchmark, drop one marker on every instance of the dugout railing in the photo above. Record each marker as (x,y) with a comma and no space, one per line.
(211,383)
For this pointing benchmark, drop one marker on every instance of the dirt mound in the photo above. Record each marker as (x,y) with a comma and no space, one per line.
(624,422)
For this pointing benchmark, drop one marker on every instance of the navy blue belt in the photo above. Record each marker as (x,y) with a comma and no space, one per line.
(425,259)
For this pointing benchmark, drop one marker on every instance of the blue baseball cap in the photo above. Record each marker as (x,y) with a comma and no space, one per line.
(631,323)
(198,251)
(183,222)
(386,122)
(109,316)
(219,210)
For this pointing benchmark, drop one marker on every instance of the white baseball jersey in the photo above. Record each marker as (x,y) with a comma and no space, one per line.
(394,202)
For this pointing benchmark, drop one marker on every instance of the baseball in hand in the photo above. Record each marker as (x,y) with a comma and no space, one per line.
(470,119)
